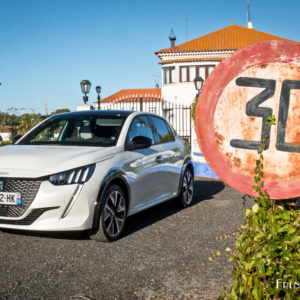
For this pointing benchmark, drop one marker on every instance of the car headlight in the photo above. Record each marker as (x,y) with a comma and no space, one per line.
(79,175)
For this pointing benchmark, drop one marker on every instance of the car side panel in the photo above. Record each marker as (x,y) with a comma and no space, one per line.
(170,165)
(143,175)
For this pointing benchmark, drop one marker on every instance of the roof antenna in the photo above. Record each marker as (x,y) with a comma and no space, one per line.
(249,23)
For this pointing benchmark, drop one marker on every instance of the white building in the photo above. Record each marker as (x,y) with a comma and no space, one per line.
(182,63)
(5,133)
(198,57)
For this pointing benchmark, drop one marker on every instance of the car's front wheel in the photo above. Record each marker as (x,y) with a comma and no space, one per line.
(187,189)
(113,212)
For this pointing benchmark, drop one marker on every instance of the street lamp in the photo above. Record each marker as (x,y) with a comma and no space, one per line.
(85,88)
(198,81)
(98,90)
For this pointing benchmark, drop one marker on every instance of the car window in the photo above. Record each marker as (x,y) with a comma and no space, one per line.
(50,133)
(140,126)
(162,130)
(79,130)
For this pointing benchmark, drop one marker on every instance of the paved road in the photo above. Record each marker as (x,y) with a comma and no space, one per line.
(163,255)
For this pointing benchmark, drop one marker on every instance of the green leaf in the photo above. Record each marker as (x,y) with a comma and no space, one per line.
(257,179)
(256,188)
(232,295)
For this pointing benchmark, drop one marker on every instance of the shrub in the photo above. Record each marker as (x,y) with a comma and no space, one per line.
(5,143)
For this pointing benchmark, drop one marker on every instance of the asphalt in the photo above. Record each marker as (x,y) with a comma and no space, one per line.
(165,253)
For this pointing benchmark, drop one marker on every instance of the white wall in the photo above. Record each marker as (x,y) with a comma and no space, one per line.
(179,92)
(5,136)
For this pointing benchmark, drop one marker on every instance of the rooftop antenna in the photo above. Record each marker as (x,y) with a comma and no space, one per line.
(187,28)
(249,23)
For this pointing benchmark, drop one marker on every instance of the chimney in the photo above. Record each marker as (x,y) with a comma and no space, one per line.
(172,38)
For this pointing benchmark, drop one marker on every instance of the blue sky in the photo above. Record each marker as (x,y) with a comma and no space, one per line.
(48,46)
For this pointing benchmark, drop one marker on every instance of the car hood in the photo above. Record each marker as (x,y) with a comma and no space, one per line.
(39,160)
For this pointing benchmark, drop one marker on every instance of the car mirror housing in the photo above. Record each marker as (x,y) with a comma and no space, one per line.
(139,142)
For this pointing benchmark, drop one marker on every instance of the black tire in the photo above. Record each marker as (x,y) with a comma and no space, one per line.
(185,197)
(113,213)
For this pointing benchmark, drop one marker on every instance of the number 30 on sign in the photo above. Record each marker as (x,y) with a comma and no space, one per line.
(235,102)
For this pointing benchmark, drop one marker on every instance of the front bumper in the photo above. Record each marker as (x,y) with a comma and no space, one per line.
(56,208)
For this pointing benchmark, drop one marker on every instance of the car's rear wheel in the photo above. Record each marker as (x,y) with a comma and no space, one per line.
(187,189)
(113,212)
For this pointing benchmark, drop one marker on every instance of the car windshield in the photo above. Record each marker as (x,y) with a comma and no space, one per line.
(78,130)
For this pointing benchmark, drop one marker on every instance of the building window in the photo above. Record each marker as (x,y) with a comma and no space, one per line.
(192,73)
(188,73)
(184,74)
(204,71)
(169,75)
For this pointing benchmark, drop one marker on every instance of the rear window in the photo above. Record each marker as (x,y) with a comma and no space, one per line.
(162,130)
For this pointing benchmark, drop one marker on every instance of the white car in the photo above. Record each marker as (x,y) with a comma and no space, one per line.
(90,170)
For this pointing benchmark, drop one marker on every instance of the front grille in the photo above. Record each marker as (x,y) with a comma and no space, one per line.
(36,213)
(28,189)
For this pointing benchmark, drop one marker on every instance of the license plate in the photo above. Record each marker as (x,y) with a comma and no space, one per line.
(10,198)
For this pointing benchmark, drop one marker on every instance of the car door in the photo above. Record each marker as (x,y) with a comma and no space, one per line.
(141,166)
(170,158)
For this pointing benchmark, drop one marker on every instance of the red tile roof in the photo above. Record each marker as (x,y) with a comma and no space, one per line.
(229,38)
(134,95)
(5,129)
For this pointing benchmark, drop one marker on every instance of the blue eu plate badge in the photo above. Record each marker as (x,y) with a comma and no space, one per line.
(19,201)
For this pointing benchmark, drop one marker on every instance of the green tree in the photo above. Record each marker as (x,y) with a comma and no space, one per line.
(59,111)
(27,121)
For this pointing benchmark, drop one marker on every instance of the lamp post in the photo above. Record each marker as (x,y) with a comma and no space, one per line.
(98,90)
(198,81)
(85,88)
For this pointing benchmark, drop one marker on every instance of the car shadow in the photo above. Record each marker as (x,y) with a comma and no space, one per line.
(204,189)
(66,235)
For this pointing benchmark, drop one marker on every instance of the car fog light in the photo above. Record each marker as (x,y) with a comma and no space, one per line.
(79,175)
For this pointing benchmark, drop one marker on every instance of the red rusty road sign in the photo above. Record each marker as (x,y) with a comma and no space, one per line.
(243,90)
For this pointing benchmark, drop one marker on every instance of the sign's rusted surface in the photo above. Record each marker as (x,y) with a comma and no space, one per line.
(239,95)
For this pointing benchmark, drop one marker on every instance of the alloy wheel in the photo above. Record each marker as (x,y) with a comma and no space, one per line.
(187,187)
(114,214)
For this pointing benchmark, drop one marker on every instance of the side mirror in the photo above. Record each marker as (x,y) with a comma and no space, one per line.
(139,142)
(16,138)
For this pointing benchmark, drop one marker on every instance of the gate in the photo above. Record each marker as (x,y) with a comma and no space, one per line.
(178,115)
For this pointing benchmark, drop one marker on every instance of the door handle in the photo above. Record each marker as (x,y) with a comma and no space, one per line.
(159,158)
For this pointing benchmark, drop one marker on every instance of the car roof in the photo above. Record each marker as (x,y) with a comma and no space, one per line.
(98,113)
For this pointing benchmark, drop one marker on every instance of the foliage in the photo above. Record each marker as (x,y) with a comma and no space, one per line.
(59,111)
(20,124)
(27,121)
(193,108)
(268,247)
(4,143)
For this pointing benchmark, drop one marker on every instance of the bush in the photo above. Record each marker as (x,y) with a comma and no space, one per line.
(193,108)
(268,248)
(5,143)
